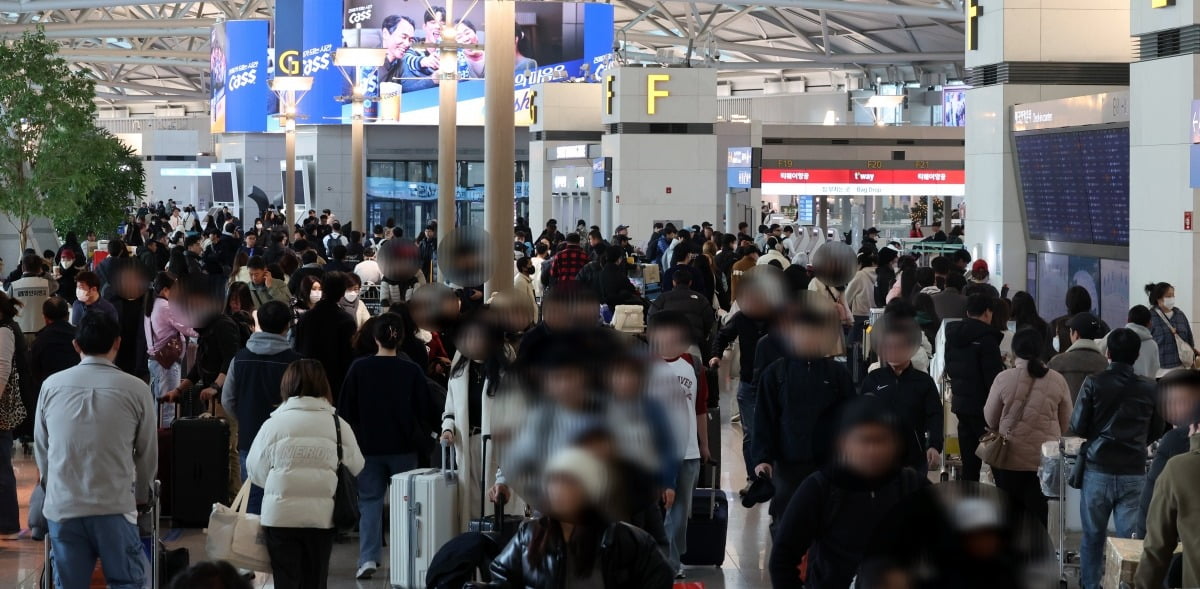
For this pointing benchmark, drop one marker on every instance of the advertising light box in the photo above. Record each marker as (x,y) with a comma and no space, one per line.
(239,77)
(555,42)
(796,182)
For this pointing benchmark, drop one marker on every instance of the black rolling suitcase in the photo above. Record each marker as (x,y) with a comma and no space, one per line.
(498,526)
(199,469)
(708,527)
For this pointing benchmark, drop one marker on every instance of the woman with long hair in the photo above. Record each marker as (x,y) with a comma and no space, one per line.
(13,359)
(164,330)
(1028,404)
(308,295)
(240,273)
(573,544)
(294,459)
(239,305)
(474,379)
(386,400)
(1025,313)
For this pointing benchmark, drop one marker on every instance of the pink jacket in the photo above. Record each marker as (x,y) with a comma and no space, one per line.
(166,325)
(1046,416)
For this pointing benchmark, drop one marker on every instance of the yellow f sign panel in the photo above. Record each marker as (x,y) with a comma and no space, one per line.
(974,11)
(608,93)
(1161,3)
(652,91)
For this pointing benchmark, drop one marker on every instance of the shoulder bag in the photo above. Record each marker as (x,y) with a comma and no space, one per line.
(12,406)
(345,498)
(1187,354)
(170,352)
(993,446)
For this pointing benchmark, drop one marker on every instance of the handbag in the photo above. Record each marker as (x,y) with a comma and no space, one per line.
(345,498)
(12,407)
(993,446)
(171,351)
(236,536)
(1187,354)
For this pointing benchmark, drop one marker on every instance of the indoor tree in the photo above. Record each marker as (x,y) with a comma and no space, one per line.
(121,180)
(50,162)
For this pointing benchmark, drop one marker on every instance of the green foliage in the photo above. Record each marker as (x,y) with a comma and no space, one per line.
(122,181)
(55,159)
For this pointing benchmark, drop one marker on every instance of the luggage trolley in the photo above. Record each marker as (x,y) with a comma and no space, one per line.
(951,467)
(1057,460)
(370,295)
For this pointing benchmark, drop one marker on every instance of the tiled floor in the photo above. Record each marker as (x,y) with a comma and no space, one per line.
(747,547)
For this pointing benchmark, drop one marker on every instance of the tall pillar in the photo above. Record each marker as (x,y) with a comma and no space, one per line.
(1018,54)
(1161,136)
(562,114)
(499,136)
(447,126)
(661,175)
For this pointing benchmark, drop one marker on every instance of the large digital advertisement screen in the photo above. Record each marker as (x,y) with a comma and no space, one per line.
(1075,185)
(238,69)
(555,42)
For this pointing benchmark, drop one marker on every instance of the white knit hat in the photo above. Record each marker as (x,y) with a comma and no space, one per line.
(582,466)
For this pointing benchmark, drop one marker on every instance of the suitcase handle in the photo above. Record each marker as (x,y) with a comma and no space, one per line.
(448,457)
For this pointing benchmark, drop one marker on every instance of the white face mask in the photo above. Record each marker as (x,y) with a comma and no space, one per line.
(66,264)
(259,226)
(351,296)
(81,294)
(314,296)
(1169,302)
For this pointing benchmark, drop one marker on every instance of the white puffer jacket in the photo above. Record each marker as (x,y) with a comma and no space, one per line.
(294,460)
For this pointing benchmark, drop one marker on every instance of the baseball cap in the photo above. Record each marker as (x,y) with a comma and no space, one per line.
(1086,324)
(873,230)
(979,266)
(620,227)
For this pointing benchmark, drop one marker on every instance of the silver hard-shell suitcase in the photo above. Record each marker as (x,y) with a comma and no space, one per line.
(424,516)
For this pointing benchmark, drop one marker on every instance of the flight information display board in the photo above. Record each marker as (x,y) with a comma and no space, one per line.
(1075,185)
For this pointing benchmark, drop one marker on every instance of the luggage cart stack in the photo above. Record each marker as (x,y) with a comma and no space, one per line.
(951,467)
(370,295)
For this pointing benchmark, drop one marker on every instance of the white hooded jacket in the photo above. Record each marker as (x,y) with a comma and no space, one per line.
(294,459)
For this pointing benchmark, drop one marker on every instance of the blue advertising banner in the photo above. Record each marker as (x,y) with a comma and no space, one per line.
(289,36)
(239,77)
(1194,168)
(322,37)
(740,177)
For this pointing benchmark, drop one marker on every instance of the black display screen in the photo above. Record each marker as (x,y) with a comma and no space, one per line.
(222,186)
(1075,185)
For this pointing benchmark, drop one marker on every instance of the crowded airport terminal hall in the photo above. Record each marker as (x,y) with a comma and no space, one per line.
(599,294)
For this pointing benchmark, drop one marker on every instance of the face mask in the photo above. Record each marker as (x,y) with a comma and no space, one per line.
(351,296)
(1169,302)
(259,226)
(81,294)
(314,296)
(66,264)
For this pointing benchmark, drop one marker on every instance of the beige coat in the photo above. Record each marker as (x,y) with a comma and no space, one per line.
(1046,416)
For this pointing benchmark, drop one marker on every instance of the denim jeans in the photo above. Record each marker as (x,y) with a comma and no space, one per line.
(373,484)
(162,379)
(747,400)
(256,492)
(10,512)
(76,543)
(1105,495)
(677,517)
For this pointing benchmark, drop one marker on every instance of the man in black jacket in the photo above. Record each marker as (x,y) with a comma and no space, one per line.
(252,381)
(797,397)
(834,514)
(325,331)
(748,325)
(909,393)
(972,361)
(1180,390)
(614,286)
(687,301)
(1117,414)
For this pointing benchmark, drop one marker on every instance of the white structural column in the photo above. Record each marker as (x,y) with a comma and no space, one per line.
(447,127)
(499,136)
(662,142)
(1161,92)
(562,114)
(1020,31)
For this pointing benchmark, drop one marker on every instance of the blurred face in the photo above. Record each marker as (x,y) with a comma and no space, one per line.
(982,544)
(473,344)
(565,497)
(398,41)
(807,341)
(251,240)
(753,303)
(668,342)
(870,449)
(896,350)
(625,382)
(566,386)
(1179,405)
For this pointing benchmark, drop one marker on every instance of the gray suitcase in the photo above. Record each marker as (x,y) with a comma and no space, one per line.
(424,516)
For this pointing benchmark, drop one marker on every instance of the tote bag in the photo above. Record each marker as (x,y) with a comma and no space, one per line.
(236,536)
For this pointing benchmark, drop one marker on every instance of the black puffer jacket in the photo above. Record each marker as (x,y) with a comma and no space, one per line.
(628,557)
(798,403)
(1117,413)
(972,361)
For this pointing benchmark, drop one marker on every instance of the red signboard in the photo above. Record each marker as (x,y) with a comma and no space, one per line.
(796,176)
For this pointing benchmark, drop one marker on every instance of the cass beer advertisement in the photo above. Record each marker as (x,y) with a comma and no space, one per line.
(239,77)
(555,42)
